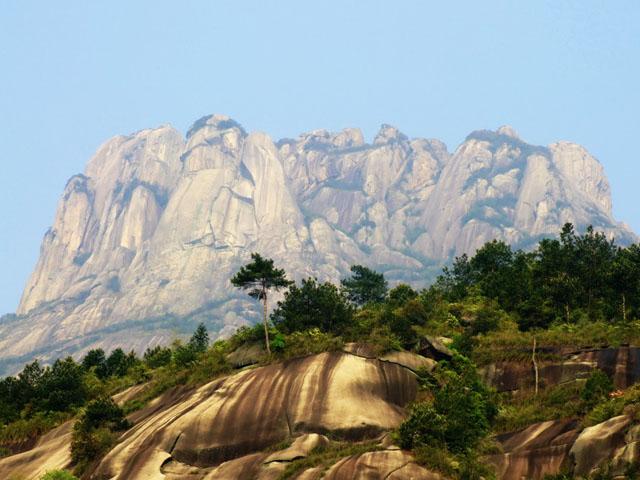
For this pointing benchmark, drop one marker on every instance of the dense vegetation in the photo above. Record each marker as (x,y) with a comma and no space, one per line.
(579,290)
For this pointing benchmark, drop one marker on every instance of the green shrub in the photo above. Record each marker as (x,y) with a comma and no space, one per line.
(308,342)
(184,355)
(596,389)
(460,414)
(29,428)
(157,356)
(95,431)
(423,427)
(604,411)
(58,475)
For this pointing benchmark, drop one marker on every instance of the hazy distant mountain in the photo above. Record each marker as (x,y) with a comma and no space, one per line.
(144,243)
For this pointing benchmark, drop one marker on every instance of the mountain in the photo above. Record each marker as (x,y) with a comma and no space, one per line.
(144,242)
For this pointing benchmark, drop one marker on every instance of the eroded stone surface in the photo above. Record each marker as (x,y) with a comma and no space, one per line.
(51,452)
(347,395)
(378,465)
(596,444)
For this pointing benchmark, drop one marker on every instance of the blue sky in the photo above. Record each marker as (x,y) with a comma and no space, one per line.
(75,73)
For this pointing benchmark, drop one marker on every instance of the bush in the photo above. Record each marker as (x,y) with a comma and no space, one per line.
(119,363)
(61,387)
(184,355)
(424,427)
(58,475)
(596,389)
(157,356)
(300,344)
(459,416)
(94,433)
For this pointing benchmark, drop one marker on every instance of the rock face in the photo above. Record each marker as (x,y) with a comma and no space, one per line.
(555,446)
(621,364)
(220,430)
(144,242)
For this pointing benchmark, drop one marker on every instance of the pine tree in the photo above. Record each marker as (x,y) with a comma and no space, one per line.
(259,276)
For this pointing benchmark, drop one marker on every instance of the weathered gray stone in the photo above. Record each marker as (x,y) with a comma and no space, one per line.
(158,223)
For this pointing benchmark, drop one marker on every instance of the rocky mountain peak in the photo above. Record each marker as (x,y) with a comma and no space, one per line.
(508,131)
(388,134)
(167,220)
(215,122)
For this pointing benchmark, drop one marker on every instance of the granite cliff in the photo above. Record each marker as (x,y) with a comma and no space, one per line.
(144,242)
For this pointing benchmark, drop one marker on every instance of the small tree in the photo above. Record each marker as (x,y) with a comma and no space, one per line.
(365,286)
(259,277)
(200,339)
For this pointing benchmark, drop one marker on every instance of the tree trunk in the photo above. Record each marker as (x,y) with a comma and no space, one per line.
(535,365)
(566,311)
(266,326)
(624,307)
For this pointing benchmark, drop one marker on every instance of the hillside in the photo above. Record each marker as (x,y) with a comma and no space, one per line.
(513,365)
(144,242)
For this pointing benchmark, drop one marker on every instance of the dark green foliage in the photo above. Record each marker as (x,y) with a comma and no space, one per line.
(157,356)
(116,364)
(119,363)
(562,280)
(61,387)
(184,355)
(95,431)
(312,305)
(94,358)
(459,415)
(596,389)
(102,412)
(200,339)
(365,286)
(401,294)
(258,277)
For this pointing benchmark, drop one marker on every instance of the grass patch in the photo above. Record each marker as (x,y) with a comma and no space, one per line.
(26,429)
(522,409)
(513,345)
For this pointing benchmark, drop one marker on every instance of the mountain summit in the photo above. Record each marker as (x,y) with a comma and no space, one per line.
(145,241)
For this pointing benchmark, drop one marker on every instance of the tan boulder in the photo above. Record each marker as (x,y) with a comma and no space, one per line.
(410,360)
(540,449)
(596,444)
(350,396)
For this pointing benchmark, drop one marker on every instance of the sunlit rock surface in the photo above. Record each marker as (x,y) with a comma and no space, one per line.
(225,429)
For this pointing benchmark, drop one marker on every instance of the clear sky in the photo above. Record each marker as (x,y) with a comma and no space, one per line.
(75,73)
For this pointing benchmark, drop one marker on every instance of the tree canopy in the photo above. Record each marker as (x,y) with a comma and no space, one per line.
(365,285)
(312,305)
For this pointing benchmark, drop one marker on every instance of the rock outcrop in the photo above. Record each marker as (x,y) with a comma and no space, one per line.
(144,242)
(621,364)
(221,430)
(552,447)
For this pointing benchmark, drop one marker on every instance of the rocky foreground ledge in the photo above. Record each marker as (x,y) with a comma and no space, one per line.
(233,427)
(255,423)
